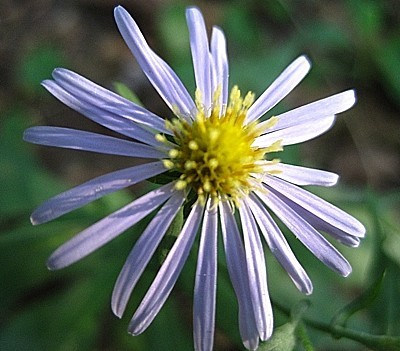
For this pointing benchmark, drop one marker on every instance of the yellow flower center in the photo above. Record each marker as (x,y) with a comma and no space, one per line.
(214,152)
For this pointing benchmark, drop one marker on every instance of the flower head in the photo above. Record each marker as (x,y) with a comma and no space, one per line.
(220,155)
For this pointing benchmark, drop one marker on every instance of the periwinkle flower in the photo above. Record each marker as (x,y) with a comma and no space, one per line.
(219,155)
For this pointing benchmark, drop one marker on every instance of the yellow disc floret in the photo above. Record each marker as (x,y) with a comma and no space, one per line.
(214,152)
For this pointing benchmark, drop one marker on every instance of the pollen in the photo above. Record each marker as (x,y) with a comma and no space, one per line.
(214,152)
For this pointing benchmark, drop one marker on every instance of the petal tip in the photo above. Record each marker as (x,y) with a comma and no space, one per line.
(45,82)
(116,306)
(352,97)
(345,271)
(133,329)
(117,311)
(25,137)
(50,264)
(348,99)
(362,230)
(55,262)
(120,14)
(192,9)
(306,61)
(119,9)
(34,220)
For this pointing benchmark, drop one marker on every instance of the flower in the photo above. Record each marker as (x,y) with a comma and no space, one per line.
(218,152)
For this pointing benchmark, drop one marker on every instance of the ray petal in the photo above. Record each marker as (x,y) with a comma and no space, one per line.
(161,76)
(93,190)
(200,54)
(237,269)
(308,235)
(108,228)
(168,274)
(256,268)
(206,281)
(142,252)
(280,88)
(89,141)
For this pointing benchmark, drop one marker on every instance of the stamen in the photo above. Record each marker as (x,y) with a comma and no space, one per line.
(168,164)
(193,145)
(180,185)
(173,153)
(215,155)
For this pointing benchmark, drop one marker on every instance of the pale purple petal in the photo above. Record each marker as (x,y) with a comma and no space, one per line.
(237,269)
(88,141)
(168,274)
(114,121)
(280,247)
(200,54)
(303,175)
(310,237)
(319,109)
(320,208)
(161,76)
(296,134)
(321,225)
(256,268)
(91,93)
(108,228)
(142,252)
(280,88)
(220,64)
(213,82)
(206,281)
(93,190)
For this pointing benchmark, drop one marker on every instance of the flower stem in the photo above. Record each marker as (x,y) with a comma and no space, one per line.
(375,342)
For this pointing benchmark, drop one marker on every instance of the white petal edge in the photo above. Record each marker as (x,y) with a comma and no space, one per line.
(280,88)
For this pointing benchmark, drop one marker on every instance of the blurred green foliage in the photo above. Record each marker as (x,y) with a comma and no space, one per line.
(354,43)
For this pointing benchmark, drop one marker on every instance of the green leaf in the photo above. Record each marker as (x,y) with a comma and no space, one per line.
(170,26)
(283,339)
(37,65)
(127,93)
(170,236)
(285,336)
(241,29)
(302,336)
(368,17)
(24,183)
(388,62)
(362,301)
